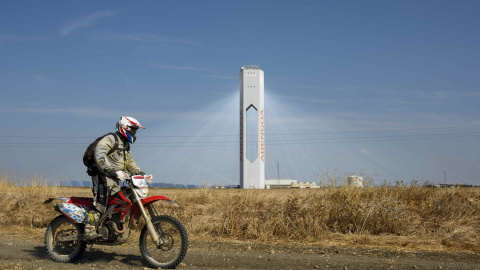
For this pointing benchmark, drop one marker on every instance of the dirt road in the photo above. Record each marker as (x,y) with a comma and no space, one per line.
(16,254)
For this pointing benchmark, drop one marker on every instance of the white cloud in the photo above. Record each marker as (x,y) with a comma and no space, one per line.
(187,68)
(109,114)
(141,37)
(440,95)
(129,81)
(5,37)
(84,22)
(87,112)
(213,73)
(224,77)
(470,94)
(42,79)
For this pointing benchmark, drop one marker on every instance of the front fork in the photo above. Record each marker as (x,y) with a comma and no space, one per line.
(153,233)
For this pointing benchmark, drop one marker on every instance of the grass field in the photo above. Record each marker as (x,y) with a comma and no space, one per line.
(403,217)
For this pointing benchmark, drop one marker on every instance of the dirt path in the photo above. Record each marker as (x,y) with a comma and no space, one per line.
(16,254)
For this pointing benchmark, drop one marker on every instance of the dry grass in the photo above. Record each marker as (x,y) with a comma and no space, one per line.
(404,217)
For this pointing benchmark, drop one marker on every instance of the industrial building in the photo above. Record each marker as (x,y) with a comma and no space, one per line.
(355,181)
(288,183)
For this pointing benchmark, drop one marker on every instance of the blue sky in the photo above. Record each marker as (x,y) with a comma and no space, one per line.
(389,89)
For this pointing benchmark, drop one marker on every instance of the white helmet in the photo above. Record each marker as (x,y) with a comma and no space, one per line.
(128,126)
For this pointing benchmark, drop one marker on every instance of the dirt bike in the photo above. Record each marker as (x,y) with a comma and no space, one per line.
(163,240)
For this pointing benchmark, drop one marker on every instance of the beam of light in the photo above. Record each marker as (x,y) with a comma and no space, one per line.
(203,145)
(287,122)
(389,160)
(196,165)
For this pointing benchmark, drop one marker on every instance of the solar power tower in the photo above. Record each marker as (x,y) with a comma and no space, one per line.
(252,128)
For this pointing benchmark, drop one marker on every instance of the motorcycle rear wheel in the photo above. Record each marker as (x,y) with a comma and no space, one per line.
(174,249)
(64,252)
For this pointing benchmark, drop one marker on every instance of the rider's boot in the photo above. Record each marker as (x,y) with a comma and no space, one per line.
(90,225)
(100,207)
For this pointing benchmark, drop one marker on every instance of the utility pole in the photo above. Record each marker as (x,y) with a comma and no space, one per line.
(278,170)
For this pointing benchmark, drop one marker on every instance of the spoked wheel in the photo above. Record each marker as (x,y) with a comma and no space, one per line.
(174,243)
(64,251)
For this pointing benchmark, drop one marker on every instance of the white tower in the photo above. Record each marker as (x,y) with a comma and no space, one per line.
(252,128)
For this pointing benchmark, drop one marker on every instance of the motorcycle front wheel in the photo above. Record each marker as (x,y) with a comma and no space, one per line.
(64,251)
(175,243)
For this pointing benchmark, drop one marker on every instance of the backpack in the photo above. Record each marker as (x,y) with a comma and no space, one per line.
(88,157)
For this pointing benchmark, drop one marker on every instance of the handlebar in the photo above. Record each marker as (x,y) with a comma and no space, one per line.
(148,178)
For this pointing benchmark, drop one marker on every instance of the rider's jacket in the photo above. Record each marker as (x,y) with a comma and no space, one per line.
(119,160)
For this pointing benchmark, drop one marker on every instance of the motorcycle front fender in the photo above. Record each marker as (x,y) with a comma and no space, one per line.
(145,202)
(153,199)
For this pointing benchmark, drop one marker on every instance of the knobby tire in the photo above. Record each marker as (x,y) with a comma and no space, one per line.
(64,252)
(175,247)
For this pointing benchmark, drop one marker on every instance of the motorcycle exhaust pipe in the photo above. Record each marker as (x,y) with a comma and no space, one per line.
(115,228)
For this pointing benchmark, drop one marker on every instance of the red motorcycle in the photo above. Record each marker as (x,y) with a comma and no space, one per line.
(163,240)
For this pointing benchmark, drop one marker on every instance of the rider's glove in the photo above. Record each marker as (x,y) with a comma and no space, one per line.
(140,173)
(121,175)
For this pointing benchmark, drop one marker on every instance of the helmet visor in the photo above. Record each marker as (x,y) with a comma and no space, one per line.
(133,131)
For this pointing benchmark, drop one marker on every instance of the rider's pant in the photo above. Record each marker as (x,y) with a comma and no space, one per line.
(103,188)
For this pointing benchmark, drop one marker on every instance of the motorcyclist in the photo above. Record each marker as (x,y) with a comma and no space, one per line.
(112,168)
